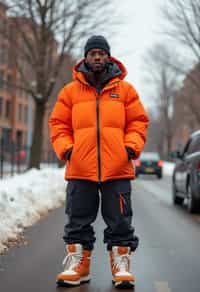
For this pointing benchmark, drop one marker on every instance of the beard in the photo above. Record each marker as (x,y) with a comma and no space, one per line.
(97,67)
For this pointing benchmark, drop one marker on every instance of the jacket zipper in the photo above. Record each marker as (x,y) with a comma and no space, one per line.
(98,138)
(98,133)
(98,128)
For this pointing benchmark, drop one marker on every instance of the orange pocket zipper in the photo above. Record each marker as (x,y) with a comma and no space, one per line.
(121,203)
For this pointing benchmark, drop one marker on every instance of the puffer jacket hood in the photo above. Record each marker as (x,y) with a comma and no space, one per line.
(98,126)
(115,70)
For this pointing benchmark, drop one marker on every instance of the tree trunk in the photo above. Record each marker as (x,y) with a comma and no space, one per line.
(169,146)
(36,147)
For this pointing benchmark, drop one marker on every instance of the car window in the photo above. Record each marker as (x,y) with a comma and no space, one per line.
(150,155)
(197,145)
(194,145)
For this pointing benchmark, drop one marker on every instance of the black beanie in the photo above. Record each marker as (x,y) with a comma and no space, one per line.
(97,42)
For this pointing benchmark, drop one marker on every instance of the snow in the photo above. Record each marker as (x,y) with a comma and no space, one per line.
(25,198)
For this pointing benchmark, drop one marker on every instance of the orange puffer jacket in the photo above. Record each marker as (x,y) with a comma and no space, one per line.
(99,127)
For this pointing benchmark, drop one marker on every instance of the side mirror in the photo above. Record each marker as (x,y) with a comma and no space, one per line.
(176,154)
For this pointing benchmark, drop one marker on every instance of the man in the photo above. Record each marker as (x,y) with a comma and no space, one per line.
(98,126)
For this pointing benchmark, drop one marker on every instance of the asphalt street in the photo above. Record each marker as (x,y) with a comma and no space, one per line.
(167,260)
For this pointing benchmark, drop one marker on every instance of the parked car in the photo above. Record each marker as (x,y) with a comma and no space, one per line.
(149,163)
(186,175)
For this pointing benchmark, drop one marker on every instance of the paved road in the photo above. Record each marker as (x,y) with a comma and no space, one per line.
(168,259)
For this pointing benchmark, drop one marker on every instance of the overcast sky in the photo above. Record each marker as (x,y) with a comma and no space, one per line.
(140,30)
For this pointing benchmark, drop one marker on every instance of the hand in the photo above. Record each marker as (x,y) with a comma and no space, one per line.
(68,154)
(131,153)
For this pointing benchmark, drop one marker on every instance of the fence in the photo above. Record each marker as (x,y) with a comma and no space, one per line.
(14,158)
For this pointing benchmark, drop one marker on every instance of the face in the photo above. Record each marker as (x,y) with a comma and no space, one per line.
(97,59)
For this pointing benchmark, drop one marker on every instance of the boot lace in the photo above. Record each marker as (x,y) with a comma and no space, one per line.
(72,260)
(121,263)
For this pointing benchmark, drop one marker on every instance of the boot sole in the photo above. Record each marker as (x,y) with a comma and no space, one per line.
(124,284)
(65,283)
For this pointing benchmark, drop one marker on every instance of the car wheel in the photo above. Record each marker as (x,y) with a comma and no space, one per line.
(193,205)
(176,199)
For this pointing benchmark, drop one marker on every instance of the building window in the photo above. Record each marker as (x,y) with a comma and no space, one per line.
(3,55)
(1,105)
(19,137)
(20,113)
(8,106)
(9,79)
(1,79)
(6,135)
(25,114)
(9,83)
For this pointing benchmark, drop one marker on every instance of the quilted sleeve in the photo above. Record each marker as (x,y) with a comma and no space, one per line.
(136,122)
(60,123)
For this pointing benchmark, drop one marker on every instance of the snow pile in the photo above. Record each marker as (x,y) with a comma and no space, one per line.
(25,198)
(168,168)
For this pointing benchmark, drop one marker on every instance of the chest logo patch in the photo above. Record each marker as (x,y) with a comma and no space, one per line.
(114,95)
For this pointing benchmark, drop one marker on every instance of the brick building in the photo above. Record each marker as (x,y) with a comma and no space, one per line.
(16,107)
(13,102)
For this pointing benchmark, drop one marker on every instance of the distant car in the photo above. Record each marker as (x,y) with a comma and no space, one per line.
(186,175)
(149,163)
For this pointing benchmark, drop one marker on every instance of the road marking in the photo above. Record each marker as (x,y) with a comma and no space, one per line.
(162,287)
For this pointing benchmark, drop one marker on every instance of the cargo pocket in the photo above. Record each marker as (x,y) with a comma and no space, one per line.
(125,204)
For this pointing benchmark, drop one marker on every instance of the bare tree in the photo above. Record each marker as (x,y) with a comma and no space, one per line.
(165,83)
(190,94)
(42,31)
(183,28)
(183,25)
(155,134)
